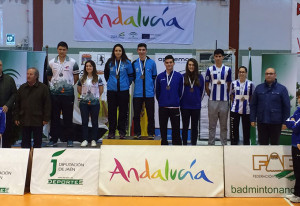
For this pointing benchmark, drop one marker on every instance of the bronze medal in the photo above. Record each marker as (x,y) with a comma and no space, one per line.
(191,89)
(117,76)
(168,87)
(142,76)
(242,99)
(219,82)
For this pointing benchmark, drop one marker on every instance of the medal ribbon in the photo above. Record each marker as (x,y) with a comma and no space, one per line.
(142,68)
(169,81)
(192,84)
(118,67)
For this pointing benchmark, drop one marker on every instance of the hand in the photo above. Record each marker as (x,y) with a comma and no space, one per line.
(44,122)
(17,122)
(5,109)
(253,124)
(283,127)
(293,119)
(298,145)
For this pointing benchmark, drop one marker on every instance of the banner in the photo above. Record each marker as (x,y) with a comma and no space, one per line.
(134,22)
(295,26)
(13,169)
(65,171)
(258,171)
(161,171)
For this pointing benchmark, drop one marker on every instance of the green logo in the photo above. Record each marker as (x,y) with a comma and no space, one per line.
(4,190)
(54,161)
(11,72)
(287,174)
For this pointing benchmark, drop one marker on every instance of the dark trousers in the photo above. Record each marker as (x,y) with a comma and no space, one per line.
(137,108)
(6,142)
(268,133)
(174,115)
(234,128)
(194,115)
(296,166)
(114,100)
(86,111)
(37,133)
(64,104)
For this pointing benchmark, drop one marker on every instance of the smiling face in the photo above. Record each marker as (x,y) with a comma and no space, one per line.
(118,52)
(89,68)
(242,73)
(62,52)
(169,64)
(142,52)
(191,66)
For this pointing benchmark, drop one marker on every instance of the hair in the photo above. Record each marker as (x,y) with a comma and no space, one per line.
(192,75)
(94,72)
(62,44)
(142,45)
(124,57)
(219,51)
(169,57)
(243,67)
(298,93)
(36,72)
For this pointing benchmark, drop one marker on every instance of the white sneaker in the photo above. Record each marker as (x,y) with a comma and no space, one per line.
(290,196)
(84,143)
(93,143)
(295,199)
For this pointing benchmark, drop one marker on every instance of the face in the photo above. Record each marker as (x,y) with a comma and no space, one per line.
(191,66)
(242,73)
(142,52)
(169,64)
(118,52)
(270,75)
(218,58)
(1,67)
(62,51)
(89,68)
(31,78)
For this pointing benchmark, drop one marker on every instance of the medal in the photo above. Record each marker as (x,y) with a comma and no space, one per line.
(142,76)
(142,69)
(118,70)
(89,92)
(219,82)
(192,85)
(169,81)
(168,87)
(242,99)
(61,74)
(117,76)
(191,89)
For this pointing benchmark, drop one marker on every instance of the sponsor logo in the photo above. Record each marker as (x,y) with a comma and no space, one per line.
(139,20)
(4,189)
(122,35)
(166,173)
(12,73)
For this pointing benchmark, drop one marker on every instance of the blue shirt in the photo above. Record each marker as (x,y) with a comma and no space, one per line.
(2,121)
(295,126)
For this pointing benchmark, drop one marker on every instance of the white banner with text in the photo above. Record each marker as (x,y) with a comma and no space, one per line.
(134,22)
(13,170)
(161,171)
(65,171)
(258,171)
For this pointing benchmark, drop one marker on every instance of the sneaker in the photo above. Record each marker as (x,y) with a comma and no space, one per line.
(51,144)
(93,143)
(70,143)
(151,136)
(295,199)
(84,143)
(111,136)
(137,136)
(122,136)
(290,196)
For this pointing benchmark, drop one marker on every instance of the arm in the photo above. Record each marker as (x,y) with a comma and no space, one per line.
(47,106)
(207,88)
(130,72)
(106,71)
(253,109)
(75,73)
(228,80)
(180,88)
(76,78)
(201,81)
(2,123)
(286,106)
(154,73)
(17,108)
(49,73)
(157,88)
(207,81)
(134,72)
(8,105)
(100,90)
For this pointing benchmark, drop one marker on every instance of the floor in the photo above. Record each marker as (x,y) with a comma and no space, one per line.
(65,200)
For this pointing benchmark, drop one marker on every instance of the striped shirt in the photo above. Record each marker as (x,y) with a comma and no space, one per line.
(218,78)
(241,96)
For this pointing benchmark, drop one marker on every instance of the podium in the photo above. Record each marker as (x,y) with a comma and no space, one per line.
(129,140)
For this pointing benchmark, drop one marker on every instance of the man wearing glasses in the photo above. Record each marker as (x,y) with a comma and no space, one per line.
(269,108)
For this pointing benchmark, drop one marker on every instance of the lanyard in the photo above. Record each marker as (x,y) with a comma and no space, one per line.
(118,67)
(141,68)
(192,84)
(169,81)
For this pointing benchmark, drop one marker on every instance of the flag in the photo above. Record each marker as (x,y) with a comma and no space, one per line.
(252,129)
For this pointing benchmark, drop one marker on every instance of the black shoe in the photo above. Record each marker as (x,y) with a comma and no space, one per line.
(111,136)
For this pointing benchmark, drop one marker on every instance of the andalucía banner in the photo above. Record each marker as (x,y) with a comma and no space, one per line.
(134,22)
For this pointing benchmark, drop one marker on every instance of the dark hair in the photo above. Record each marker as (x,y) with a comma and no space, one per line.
(298,93)
(169,57)
(243,67)
(142,45)
(62,44)
(192,75)
(85,73)
(219,51)
(124,57)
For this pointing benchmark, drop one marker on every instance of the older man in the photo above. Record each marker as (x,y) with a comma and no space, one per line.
(269,107)
(32,109)
(8,92)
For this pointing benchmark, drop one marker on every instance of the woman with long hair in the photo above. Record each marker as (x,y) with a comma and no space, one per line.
(118,74)
(90,88)
(241,91)
(190,103)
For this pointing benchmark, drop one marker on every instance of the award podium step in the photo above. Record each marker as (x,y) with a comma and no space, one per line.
(130,140)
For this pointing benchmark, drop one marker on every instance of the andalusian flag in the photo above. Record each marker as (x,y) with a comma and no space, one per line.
(252,129)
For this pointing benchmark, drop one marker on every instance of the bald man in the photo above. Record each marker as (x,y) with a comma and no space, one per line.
(269,108)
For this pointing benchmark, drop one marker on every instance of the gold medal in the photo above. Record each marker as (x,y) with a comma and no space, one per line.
(117,76)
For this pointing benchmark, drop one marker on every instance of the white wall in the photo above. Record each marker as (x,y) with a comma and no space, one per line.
(211,24)
(265,24)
